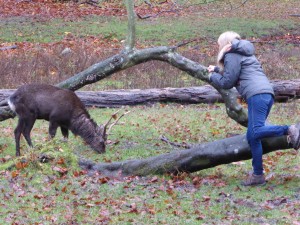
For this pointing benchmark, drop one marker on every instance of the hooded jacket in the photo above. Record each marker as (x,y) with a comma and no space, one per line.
(243,71)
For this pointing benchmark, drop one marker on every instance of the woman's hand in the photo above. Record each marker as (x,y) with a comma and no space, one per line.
(211,68)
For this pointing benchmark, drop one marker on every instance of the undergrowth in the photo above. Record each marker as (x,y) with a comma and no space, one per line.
(52,50)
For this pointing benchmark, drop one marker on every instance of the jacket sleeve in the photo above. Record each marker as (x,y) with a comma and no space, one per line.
(232,69)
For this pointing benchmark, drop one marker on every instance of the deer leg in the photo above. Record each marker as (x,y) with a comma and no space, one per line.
(65,133)
(17,132)
(27,129)
(52,129)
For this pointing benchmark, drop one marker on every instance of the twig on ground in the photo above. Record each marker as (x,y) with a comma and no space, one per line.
(8,47)
(185,42)
(155,15)
(148,3)
(175,144)
(161,12)
(242,4)
(90,2)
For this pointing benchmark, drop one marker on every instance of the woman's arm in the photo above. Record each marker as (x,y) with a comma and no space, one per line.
(232,68)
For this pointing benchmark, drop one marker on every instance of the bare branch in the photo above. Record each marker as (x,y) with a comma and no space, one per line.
(183,43)
(241,5)
(161,12)
(175,144)
(8,47)
(148,3)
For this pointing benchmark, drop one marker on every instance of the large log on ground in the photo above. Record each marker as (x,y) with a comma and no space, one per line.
(284,90)
(201,156)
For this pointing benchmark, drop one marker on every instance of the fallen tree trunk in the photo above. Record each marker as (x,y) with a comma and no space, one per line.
(197,158)
(284,90)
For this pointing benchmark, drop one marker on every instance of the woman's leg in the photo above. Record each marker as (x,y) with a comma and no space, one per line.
(259,107)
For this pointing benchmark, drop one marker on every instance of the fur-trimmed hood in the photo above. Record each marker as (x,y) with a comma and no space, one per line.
(242,47)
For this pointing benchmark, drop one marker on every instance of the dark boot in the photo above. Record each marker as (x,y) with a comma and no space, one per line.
(254,180)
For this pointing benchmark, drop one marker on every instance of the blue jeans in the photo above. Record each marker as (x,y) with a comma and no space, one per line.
(259,107)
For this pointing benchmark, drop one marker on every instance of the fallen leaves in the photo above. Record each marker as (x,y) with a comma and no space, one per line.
(39,196)
(62,171)
(148,197)
(21,165)
(71,10)
(277,201)
(52,9)
(15,173)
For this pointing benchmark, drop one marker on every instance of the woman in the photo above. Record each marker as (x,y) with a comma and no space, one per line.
(242,70)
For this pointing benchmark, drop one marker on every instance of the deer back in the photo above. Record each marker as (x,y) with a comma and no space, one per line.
(44,101)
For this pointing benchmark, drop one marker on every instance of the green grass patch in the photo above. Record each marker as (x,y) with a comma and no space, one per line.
(247,27)
(159,31)
(42,192)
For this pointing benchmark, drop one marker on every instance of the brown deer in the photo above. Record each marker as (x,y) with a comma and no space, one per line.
(62,108)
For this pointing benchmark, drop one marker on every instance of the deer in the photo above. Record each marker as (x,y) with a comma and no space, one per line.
(62,108)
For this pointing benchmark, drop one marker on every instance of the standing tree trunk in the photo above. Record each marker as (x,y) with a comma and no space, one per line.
(131,25)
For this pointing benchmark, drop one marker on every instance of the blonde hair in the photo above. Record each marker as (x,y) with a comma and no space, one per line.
(224,41)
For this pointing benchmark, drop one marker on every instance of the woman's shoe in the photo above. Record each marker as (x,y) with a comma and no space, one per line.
(294,136)
(254,180)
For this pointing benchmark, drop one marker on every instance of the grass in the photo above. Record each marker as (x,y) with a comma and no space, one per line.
(211,196)
(58,192)
(248,27)
(157,32)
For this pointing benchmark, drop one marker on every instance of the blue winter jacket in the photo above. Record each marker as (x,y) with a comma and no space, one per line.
(243,71)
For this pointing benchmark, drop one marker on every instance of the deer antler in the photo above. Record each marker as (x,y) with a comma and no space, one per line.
(113,116)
